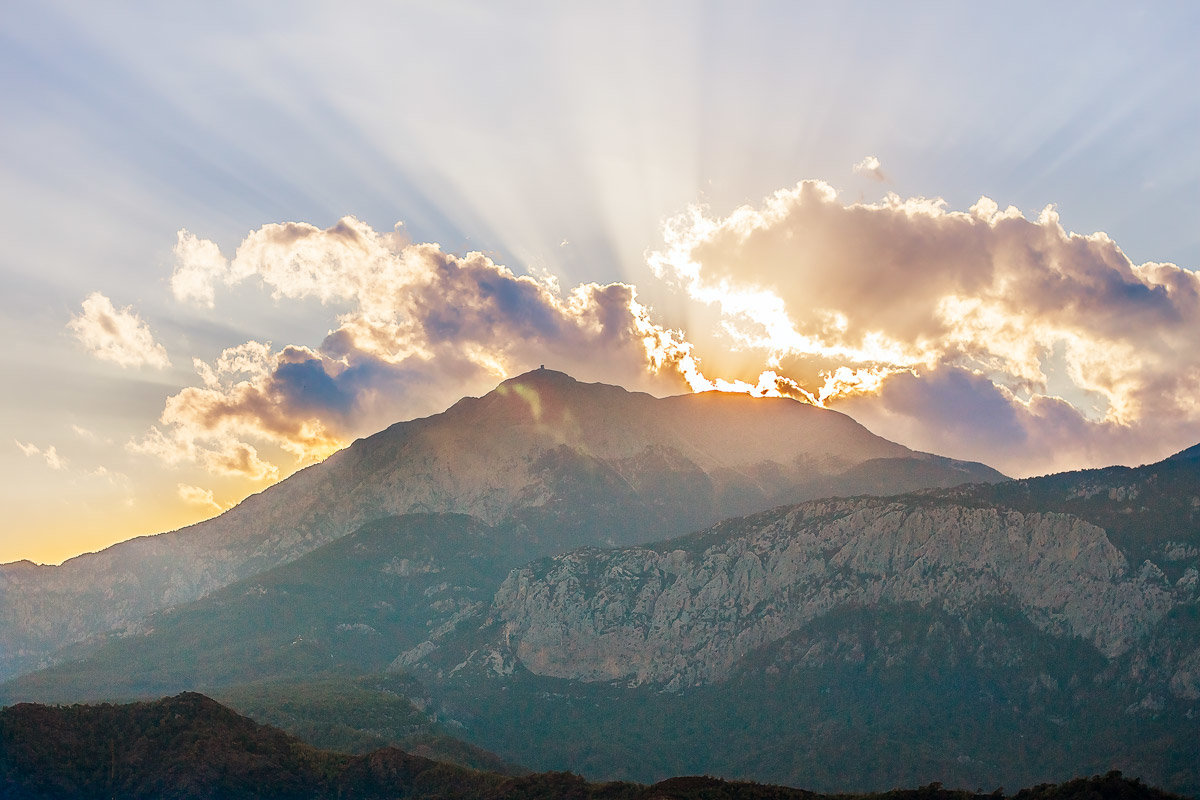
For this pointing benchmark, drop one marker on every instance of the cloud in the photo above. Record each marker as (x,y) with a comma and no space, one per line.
(194,495)
(50,454)
(241,402)
(89,435)
(904,300)
(199,265)
(870,168)
(955,411)
(114,478)
(117,336)
(419,328)
(980,333)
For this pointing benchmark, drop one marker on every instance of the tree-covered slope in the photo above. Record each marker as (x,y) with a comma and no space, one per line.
(189,746)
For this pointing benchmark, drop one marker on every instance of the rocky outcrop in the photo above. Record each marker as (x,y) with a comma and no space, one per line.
(687,612)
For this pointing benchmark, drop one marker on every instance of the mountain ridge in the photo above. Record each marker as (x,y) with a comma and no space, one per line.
(558,462)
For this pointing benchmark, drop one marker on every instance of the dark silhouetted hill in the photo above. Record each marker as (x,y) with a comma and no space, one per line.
(189,746)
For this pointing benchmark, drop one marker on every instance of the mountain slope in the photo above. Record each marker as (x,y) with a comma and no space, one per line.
(555,462)
(1149,512)
(859,699)
(344,609)
(901,639)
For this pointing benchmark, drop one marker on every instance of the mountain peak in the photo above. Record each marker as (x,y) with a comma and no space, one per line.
(551,382)
(541,375)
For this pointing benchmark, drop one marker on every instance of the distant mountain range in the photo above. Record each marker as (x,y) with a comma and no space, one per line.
(189,746)
(572,576)
(550,462)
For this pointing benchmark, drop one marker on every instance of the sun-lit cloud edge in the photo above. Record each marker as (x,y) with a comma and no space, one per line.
(850,302)
(870,167)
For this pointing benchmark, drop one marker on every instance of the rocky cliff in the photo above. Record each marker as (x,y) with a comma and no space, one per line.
(893,640)
(687,611)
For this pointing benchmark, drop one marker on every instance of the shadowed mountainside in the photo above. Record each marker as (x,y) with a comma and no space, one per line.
(345,609)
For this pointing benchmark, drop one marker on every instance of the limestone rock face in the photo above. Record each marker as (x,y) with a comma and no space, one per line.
(687,612)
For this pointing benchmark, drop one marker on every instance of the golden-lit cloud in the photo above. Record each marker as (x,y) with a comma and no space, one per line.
(116,335)
(196,496)
(199,265)
(883,302)
(871,168)
(218,424)
(418,328)
(49,454)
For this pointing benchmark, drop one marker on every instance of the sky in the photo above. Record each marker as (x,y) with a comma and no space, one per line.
(237,236)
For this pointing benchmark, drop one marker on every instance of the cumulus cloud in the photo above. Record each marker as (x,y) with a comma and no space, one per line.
(980,333)
(905,303)
(870,168)
(196,496)
(116,335)
(422,328)
(49,455)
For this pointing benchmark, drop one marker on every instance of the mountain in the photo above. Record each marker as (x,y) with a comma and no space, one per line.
(954,634)
(189,746)
(551,462)
(983,635)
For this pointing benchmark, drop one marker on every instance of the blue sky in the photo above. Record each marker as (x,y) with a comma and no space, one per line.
(557,139)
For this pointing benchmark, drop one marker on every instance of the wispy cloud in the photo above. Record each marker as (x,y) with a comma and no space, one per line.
(196,496)
(89,435)
(116,335)
(49,454)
